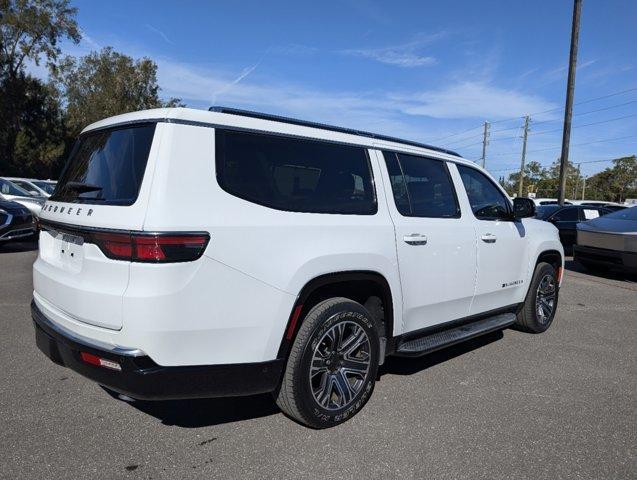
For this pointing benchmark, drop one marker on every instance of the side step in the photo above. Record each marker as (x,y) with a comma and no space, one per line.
(436,341)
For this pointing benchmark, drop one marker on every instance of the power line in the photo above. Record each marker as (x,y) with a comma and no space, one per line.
(519,117)
(463,139)
(546,166)
(456,134)
(586,113)
(574,145)
(586,124)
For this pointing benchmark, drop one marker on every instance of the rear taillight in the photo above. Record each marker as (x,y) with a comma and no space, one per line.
(152,248)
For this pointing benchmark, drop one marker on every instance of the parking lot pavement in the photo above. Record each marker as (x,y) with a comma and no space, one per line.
(512,405)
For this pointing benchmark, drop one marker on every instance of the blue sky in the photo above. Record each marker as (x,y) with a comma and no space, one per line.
(422,70)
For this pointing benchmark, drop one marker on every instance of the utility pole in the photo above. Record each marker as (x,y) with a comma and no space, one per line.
(583,187)
(570,89)
(526,135)
(579,175)
(485,142)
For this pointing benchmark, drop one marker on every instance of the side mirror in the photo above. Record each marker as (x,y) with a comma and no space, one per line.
(523,208)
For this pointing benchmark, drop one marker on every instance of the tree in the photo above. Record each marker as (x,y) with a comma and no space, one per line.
(106,83)
(615,183)
(29,31)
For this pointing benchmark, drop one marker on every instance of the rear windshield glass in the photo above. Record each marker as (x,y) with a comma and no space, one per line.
(48,187)
(625,214)
(106,166)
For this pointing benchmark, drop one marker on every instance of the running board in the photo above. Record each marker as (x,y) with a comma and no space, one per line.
(436,341)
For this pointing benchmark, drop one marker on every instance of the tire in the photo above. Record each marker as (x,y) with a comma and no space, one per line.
(318,397)
(535,317)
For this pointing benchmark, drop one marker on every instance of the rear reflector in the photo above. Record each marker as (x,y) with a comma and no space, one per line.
(99,362)
(152,248)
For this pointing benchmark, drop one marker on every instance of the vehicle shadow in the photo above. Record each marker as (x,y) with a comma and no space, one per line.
(601,272)
(216,411)
(17,247)
(409,366)
(208,411)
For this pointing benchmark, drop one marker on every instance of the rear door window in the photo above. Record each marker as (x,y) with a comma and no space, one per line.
(106,166)
(422,186)
(295,174)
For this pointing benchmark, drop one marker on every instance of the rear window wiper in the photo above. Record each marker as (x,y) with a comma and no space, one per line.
(81,187)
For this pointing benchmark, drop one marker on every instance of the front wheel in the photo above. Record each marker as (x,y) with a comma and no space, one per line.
(332,365)
(540,304)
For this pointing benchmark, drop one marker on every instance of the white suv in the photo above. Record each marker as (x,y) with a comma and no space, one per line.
(191,253)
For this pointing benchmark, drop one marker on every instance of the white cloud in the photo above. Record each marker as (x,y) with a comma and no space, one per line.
(159,32)
(405,55)
(395,57)
(473,99)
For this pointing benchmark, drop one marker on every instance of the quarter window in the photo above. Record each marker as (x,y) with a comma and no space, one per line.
(295,174)
(422,186)
(487,201)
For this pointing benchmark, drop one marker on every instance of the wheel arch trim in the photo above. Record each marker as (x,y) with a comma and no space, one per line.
(300,307)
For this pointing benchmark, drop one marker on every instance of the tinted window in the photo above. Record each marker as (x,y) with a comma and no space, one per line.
(9,188)
(566,215)
(48,187)
(106,166)
(422,186)
(624,214)
(487,201)
(294,174)
(544,211)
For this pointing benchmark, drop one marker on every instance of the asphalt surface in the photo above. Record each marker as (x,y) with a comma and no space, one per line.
(512,405)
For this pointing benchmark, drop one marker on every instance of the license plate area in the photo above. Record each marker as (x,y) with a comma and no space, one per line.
(62,249)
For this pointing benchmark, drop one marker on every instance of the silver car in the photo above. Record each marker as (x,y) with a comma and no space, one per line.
(608,242)
(10,191)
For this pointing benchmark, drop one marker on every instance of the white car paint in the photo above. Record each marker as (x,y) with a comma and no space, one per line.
(232,305)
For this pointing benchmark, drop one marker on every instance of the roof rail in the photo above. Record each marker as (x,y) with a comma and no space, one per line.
(305,123)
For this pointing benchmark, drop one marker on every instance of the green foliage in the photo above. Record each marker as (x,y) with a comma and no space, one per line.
(615,183)
(39,121)
(106,83)
(29,112)
(30,29)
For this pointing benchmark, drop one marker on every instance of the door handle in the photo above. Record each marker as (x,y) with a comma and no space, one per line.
(415,239)
(489,238)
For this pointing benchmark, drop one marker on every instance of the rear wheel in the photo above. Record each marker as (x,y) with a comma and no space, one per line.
(332,365)
(540,304)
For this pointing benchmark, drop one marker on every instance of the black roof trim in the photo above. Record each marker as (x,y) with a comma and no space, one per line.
(305,123)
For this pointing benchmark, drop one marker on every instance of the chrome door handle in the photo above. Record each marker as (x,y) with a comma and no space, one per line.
(415,239)
(489,238)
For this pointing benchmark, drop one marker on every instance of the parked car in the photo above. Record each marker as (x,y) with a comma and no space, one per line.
(566,218)
(38,188)
(47,185)
(10,191)
(233,253)
(549,201)
(16,221)
(609,242)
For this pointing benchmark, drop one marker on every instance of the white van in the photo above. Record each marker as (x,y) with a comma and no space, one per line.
(191,253)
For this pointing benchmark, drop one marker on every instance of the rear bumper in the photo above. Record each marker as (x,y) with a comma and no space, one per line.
(143,379)
(611,259)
